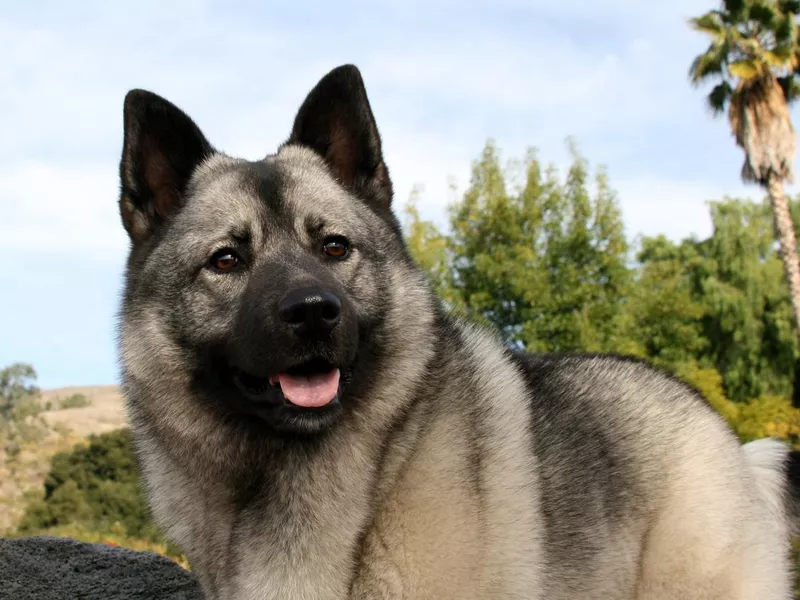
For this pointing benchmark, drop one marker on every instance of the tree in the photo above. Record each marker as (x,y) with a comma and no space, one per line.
(665,315)
(18,402)
(542,260)
(719,303)
(755,51)
(749,315)
(16,383)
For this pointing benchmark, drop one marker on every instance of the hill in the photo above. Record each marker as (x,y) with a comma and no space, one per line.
(105,411)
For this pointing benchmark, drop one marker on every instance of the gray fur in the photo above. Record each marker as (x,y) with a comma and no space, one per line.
(456,469)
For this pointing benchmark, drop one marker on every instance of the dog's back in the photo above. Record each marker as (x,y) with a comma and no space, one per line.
(655,488)
(587,477)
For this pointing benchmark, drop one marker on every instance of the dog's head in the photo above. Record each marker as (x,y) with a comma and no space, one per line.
(273,282)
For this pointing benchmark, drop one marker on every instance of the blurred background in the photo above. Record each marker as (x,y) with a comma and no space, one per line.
(569,172)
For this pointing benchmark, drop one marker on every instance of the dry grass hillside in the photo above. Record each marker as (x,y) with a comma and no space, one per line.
(105,411)
(64,427)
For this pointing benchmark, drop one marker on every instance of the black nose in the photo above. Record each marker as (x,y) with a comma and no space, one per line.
(310,310)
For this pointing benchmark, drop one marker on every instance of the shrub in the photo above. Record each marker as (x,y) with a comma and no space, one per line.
(96,487)
(74,401)
(769,416)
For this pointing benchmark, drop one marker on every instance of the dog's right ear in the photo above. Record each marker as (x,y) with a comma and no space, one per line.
(162,147)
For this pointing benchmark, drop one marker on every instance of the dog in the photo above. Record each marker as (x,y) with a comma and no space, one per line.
(311,423)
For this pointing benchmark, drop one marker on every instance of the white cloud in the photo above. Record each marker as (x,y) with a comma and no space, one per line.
(61,209)
(677,209)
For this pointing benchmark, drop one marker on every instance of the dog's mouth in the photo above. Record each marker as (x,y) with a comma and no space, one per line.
(313,384)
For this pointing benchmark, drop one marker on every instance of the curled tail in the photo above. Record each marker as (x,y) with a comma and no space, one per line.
(776,472)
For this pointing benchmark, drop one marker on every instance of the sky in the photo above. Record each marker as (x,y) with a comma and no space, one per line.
(442,77)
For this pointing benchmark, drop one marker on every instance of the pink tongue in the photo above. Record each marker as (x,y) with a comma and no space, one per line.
(310,391)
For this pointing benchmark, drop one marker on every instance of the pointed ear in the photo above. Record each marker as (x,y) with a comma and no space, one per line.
(336,121)
(161,149)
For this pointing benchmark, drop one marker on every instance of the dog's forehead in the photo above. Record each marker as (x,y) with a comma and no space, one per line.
(306,184)
(295,180)
(219,192)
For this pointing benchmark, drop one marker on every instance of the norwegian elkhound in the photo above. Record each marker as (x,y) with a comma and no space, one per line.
(312,425)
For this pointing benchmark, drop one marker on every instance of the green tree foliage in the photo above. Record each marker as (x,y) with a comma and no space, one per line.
(720,303)
(16,384)
(545,261)
(19,407)
(541,259)
(664,318)
(750,318)
(96,485)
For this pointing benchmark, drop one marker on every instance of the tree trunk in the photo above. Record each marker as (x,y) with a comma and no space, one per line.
(787,248)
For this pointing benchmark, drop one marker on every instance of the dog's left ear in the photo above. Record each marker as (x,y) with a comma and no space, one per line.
(336,121)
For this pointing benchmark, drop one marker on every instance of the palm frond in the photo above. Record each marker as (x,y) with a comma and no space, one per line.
(709,23)
(782,57)
(709,64)
(763,13)
(719,97)
(785,29)
(734,37)
(789,6)
(734,8)
(745,69)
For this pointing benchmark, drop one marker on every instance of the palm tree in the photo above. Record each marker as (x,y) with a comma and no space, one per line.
(755,55)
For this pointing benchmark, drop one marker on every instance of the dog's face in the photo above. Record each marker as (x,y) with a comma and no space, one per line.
(264,276)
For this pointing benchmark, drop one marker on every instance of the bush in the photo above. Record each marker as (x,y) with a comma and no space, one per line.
(74,401)
(65,505)
(769,416)
(95,487)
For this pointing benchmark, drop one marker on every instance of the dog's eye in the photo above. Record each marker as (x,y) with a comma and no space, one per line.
(336,247)
(224,260)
